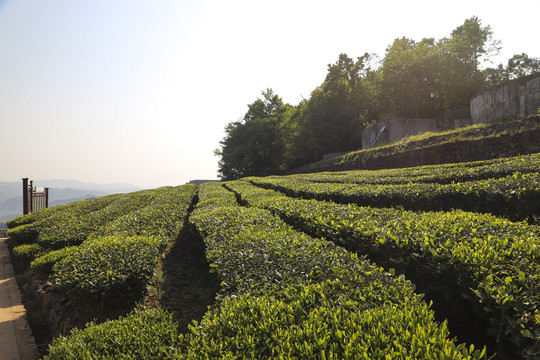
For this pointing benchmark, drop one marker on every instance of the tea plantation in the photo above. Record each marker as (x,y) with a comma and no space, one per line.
(433,262)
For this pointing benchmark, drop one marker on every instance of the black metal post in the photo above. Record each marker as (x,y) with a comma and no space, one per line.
(25,196)
(31,190)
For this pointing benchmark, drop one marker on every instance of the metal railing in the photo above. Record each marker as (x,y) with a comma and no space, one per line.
(34,200)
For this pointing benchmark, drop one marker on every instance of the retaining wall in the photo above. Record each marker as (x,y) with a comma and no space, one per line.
(516,99)
(519,137)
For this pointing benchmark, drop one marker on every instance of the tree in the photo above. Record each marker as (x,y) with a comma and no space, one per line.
(517,66)
(338,109)
(495,76)
(254,145)
(469,46)
(426,78)
(294,138)
(521,65)
(415,79)
(411,78)
(472,44)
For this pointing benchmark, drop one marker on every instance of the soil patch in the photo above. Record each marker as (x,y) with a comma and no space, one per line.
(189,286)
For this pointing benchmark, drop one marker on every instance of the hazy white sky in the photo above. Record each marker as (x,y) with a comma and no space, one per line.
(140,91)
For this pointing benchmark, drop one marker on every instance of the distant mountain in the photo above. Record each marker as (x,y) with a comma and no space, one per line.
(60,192)
(79,185)
(9,189)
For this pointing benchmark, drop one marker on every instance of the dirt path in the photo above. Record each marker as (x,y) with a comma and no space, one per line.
(16,340)
(189,286)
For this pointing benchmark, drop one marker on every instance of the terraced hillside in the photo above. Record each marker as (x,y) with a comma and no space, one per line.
(433,262)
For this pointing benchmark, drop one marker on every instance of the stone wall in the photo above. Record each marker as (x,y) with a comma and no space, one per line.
(516,99)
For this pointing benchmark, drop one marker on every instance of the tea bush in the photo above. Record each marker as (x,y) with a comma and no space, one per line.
(142,334)
(103,265)
(43,265)
(27,228)
(516,197)
(285,294)
(26,252)
(161,218)
(440,174)
(73,230)
(307,323)
(490,261)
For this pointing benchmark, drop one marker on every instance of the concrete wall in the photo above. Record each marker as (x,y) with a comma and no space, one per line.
(514,100)
(391,130)
(396,129)
(484,143)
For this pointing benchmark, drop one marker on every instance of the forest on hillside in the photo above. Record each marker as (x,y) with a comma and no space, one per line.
(414,79)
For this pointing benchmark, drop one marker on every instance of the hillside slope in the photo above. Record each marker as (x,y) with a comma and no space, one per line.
(294,266)
(473,143)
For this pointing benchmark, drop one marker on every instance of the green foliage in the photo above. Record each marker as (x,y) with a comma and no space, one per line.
(414,79)
(490,261)
(138,213)
(309,323)
(125,233)
(255,145)
(521,65)
(440,174)
(339,109)
(142,334)
(471,42)
(425,78)
(24,233)
(26,252)
(469,45)
(294,279)
(517,66)
(43,265)
(113,264)
(412,84)
(257,253)
(29,218)
(34,225)
(162,217)
(285,294)
(122,237)
(212,196)
(73,230)
(516,197)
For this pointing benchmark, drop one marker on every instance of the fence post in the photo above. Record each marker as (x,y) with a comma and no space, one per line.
(31,191)
(25,196)
(46,198)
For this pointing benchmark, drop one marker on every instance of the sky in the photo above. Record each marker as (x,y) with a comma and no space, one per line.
(139,92)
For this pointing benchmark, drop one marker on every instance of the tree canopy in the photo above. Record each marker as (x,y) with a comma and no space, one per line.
(414,79)
(254,145)
(338,109)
